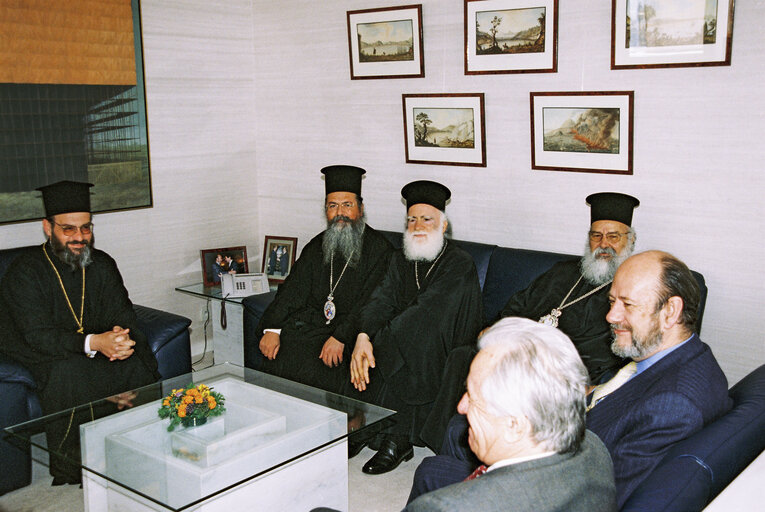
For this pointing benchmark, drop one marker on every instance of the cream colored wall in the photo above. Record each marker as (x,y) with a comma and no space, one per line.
(199,88)
(698,169)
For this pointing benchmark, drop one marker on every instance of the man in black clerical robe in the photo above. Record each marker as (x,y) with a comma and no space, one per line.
(306,336)
(66,316)
(428,304)
(576,290)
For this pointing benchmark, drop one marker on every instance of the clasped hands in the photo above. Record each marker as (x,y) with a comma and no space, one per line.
(115,344)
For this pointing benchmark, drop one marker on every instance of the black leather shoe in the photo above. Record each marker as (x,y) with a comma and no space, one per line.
(388,457)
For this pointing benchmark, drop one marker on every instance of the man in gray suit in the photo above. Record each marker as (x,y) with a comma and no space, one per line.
(525,404)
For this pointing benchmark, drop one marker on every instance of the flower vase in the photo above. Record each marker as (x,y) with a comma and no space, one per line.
(193,422)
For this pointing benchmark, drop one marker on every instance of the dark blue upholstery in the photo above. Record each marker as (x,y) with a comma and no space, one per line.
(697,469)
(168,336)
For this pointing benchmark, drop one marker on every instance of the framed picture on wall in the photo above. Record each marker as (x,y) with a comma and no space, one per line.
(386,42)
(278,257)
(664,34)
(511,36)
(582,131)
(226,260)
(444,129)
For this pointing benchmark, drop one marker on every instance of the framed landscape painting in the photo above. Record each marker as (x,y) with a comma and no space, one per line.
(671,33)
(444,129)
(582,131)
(386,42)
(511,36)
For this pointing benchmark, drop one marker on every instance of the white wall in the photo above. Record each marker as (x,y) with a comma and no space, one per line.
(224,79)
(697,166)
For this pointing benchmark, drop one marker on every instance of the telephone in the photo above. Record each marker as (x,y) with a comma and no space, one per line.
(242,285)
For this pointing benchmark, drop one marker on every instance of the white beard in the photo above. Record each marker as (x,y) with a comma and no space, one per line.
(598,271)
(423,250)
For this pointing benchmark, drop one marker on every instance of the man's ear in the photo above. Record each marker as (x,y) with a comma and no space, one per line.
(47,227)
(446,225)
(672,311)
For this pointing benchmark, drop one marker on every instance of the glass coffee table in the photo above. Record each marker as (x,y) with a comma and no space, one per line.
(279,445)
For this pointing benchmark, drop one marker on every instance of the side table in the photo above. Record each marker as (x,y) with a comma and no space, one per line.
(227,340)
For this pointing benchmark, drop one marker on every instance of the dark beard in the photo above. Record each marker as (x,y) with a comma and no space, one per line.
(344,239)
(74,261)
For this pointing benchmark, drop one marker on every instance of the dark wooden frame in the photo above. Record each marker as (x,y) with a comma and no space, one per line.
(630,98)
(205,254)
(278,240)
(724,62)
(554,65)
(479,145)
(355,75)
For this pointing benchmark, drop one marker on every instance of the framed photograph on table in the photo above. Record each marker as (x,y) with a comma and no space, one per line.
(667,33)
(386,42)
(582,131)
(278,257)
(511,36)
(444,129)
(226,260)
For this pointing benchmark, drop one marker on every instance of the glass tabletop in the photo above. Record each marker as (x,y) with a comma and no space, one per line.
(207,292)
(268,422)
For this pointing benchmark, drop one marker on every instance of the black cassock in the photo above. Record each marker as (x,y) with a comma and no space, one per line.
(413,331)
(298,310)
(38,330)
(584,322)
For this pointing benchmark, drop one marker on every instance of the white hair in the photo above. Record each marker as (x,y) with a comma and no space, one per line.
(431,248)
(539,375)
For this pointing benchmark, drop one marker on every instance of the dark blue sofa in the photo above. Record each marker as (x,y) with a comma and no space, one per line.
(168,336)
(694,471)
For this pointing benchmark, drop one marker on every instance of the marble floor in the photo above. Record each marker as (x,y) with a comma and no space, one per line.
(367,493)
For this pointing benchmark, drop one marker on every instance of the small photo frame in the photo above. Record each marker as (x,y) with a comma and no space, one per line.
(666,34)
(229,260)
(386,42)
(582,131)
(278,257)
(444,129)
(511,36)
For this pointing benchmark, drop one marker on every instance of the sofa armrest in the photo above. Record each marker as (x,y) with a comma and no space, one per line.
(254,307)
(168,337)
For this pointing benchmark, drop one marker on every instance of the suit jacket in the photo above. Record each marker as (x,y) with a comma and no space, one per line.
(666,403)
(582,481)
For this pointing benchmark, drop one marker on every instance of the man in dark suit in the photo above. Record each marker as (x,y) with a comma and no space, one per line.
(672,388)
(677,387)
(537,455)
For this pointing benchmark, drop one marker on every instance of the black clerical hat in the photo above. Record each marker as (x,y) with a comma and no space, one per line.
(342,178)
(428,192)
(66,197)
(612,206)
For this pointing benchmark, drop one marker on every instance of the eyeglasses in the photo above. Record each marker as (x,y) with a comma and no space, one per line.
(69,230)
(331,207)
(612,237)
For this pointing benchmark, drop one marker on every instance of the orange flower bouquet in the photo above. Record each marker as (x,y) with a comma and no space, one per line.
(191,406)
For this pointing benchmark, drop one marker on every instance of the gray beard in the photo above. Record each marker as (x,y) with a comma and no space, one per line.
(344,239)
(640,348)
(74,261)
(597,271)
(427,251)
